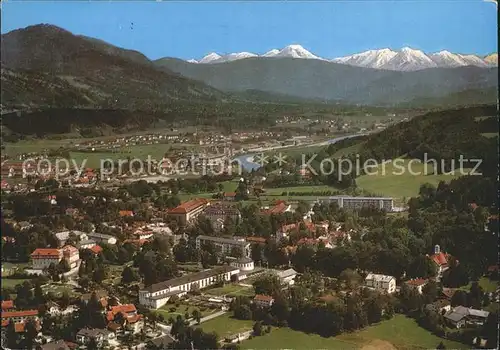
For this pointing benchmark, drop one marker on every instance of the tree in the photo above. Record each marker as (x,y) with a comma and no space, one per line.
(459,298)
(129,275)
(30,333)
(441,346)
(267,284)
(257,328)
(196,315)
(11,336)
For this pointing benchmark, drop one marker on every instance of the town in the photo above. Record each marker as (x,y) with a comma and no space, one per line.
(163,189)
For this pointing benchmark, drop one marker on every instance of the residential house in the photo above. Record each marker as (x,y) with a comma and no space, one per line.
(263,300)
(133,321)
(7,305)
(56,345)
(229,196)
(417,284)
(381,283)
(188,211)
(126,213)
(98,335)
(462,316)
(157,295)
(97,249)
(162,342)
(440,306)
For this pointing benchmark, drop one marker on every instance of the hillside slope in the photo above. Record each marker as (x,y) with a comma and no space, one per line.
(326,80)
(105,76)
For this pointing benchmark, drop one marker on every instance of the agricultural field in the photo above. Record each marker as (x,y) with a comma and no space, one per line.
(398,333)
(390,183)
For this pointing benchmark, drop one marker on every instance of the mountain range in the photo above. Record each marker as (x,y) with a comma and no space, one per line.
(406,59)
(44,66)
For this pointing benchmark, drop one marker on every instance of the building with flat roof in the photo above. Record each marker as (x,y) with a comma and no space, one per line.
(381,283)
(158,294)
(225,245)
(188,211)
(357,203)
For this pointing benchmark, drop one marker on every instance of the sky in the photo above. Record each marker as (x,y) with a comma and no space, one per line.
(328,29)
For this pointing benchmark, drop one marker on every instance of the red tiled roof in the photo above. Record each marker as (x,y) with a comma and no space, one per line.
(473,206)
(188,206)
(96,249)
(262,297)
(126,213)
(23,313)
(19,327)
(440,259)
(138,242)
(45,252)
(492,268)
(256,239)
(69,249)
(125,309)
(7,304)
(279,208)
(416,282)
(229,194)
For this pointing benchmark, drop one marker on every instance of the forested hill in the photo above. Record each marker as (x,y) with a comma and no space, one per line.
(443,135)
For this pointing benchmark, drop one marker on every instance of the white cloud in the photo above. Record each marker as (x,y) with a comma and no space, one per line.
(493,1)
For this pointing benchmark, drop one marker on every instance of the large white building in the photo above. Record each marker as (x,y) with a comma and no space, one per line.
(43,257)
(158,294)
(225,245)
(381,283)
(357,203)
(102,238)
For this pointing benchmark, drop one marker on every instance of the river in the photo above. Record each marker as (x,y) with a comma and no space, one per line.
(247,163)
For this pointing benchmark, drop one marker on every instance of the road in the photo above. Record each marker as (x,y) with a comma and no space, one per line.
(207,318)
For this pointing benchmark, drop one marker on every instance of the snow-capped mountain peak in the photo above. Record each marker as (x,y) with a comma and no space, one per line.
(210,57)
(370,58)
(235,56)
(192,61)
(405,59)
(271,53)
(445,58)
(295,51)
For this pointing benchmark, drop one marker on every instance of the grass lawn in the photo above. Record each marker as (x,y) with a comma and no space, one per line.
(225,325)
(181,310)
(59,289)
(485,283)
(493,307)
(398,333)
(391,183)
(280,190)
(12,282)
(231,290)
(348,150)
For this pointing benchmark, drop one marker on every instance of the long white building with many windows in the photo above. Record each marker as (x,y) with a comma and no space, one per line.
(357,203)
(158,294)
(225,245)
